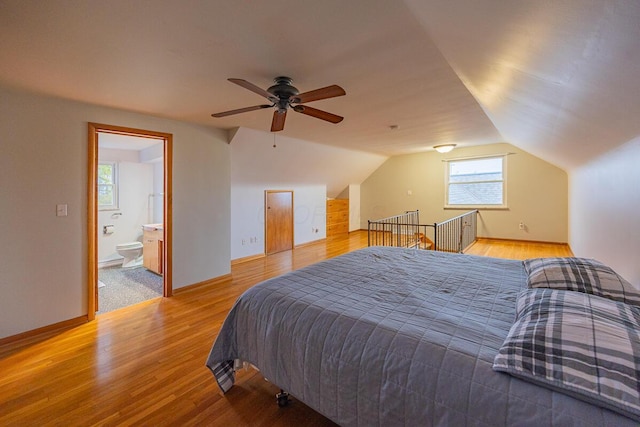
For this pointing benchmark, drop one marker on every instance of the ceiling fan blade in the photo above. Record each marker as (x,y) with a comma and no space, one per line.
(319,114)
(241,110)
(315,95)
(277,124)
(253,88)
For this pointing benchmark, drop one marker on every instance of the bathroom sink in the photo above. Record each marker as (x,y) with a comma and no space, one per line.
(152,227)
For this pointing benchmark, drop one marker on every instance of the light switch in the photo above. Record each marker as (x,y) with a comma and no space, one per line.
(61,210)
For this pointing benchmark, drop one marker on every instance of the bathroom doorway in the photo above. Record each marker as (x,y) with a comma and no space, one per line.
(129,218)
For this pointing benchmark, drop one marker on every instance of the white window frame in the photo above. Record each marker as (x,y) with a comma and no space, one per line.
(447,171)
(114,187)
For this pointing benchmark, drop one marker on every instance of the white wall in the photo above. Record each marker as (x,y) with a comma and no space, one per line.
(157,198)
(354,207)
(43,162)
(135,183)
(247,221)
(604,210)
(313,171)
(155,156)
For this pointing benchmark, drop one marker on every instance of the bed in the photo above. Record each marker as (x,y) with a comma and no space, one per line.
(391,336)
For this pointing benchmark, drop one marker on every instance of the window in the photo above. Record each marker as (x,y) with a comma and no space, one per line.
(107,186)
(476,182)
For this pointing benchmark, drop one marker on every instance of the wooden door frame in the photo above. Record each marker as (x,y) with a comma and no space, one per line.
(266,232)
(92,204)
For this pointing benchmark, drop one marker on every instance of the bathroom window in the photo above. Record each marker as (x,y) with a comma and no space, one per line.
(107,185)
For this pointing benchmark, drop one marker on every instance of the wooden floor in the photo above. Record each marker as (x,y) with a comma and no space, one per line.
(144,365)
(512,249)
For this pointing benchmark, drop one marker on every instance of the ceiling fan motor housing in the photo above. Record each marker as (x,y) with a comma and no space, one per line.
(283,90)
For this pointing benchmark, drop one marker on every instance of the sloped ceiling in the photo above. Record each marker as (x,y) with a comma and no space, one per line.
(560,79)
(334,167)
(556,78)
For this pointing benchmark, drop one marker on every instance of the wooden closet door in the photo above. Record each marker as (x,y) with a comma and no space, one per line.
(278,221)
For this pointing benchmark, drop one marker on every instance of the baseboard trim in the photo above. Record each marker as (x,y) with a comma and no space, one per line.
(55,327)
(214,281)
(247,258)
(110,263)
(313,242)
(523,241)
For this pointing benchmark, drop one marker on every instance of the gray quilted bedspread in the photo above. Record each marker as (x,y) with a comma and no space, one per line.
(390,336)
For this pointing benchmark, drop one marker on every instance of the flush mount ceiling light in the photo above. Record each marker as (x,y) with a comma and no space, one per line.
(444,148)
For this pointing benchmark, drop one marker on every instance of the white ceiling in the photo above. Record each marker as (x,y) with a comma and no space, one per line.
(559,78)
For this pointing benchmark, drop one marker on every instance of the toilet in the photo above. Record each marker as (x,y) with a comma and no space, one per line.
(132,253)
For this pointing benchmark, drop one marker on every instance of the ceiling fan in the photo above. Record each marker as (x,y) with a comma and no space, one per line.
(282,96)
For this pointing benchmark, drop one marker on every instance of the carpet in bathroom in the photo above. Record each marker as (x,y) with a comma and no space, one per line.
(126,286)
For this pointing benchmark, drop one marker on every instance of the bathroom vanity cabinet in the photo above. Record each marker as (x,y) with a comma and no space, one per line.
(153,248)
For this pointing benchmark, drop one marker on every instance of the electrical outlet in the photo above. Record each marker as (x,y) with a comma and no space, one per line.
(244,242)
(521,225)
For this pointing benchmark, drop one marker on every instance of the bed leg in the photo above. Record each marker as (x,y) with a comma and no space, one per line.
(282,398)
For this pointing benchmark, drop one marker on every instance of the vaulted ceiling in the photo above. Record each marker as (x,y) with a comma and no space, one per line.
(559,79)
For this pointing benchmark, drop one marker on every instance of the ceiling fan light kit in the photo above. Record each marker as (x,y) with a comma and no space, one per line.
(444,148)
(284,96)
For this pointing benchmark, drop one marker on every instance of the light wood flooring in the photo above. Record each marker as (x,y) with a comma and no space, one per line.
(516,249)
(144,365)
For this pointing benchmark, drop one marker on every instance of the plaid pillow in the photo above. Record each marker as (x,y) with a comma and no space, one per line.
(582,275)
(579,344)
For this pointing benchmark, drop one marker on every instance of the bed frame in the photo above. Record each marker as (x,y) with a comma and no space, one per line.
(404,230)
